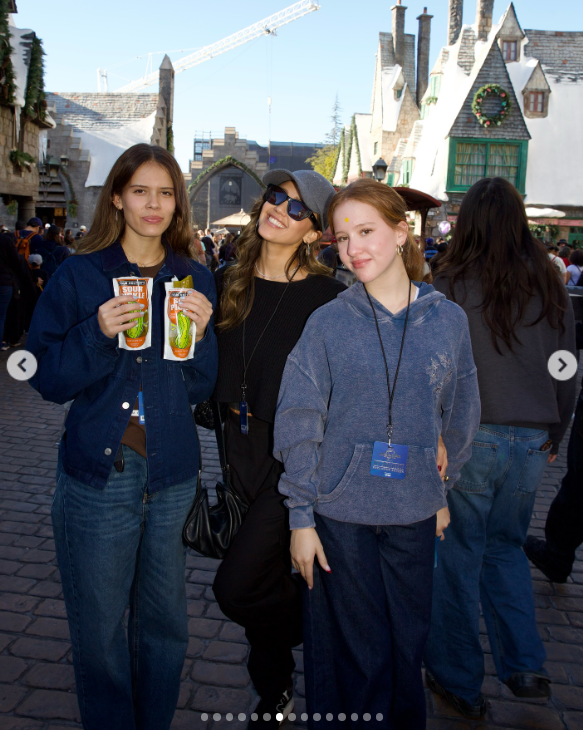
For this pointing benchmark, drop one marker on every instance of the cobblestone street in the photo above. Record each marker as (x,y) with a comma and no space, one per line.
(37,690)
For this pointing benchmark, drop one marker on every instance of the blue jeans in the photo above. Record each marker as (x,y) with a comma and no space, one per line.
(365,625)
(481,561)
(118,547)
(5,298)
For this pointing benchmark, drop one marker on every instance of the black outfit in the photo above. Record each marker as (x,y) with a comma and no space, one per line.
(254,585)
(22,306)
(507,381)
(564,526)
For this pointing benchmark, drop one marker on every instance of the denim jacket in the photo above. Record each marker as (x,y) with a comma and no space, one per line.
(333,406)
(76,361)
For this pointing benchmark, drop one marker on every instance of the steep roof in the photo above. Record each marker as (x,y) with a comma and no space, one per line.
(98,111)
(560,53)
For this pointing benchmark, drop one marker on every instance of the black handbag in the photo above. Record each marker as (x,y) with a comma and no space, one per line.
(210,530)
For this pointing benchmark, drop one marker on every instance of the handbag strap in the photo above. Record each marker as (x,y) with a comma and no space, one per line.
(220,436)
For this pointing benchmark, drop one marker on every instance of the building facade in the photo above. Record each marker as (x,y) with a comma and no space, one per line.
(225,172)
(91,131)
(23,118)
(500,101)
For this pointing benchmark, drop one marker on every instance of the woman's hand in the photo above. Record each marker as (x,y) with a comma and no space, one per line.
(442,458)
(117,315)
(551,458)
(305,546)
(199,309)
(443,521)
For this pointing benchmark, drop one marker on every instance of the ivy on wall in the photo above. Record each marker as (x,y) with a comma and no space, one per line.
(7,79)
(229,159)
(354,133)
(347,156)
(35,105)
(339,151)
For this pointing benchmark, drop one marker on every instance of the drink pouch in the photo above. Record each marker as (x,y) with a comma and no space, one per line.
(179,329)
(138,337)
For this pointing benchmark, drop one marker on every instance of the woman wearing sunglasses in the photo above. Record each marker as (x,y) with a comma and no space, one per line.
(265,301)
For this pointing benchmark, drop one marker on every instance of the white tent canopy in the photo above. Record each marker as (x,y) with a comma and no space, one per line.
(544,213)
(236,219)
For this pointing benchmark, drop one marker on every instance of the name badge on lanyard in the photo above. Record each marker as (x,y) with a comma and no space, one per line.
(141,416)
(389,461)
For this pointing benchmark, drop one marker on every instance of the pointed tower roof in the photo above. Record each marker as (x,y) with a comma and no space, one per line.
(166,63)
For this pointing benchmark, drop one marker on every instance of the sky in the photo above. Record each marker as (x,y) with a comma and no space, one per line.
(326,53)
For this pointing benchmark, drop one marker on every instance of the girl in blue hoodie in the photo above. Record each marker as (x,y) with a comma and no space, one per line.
(379,374)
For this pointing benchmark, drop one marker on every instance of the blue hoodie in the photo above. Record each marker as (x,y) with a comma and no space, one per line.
(333,406)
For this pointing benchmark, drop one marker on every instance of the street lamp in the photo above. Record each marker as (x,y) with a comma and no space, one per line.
(64,162)
(379,169)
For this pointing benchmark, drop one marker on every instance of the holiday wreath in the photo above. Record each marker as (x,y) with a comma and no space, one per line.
(494,120)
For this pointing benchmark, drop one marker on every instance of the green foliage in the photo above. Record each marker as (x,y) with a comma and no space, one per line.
(170,139)
(34,99)
(324,161)
(495,120)
(12,206)
(354,133)
(539,230)
(7,79)
(221,163)
(333,137)
(22,159)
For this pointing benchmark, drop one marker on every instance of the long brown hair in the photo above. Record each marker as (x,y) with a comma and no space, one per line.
(493,244)
(109,223)
(239,279)
(391,206)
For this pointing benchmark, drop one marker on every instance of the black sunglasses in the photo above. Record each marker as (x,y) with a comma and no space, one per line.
(296,210)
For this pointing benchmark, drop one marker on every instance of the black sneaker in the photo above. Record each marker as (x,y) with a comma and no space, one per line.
(472,712)
(536,551)
(526,684)
(269,714)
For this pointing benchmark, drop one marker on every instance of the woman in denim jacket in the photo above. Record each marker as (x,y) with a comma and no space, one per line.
(366,496)
(127,464)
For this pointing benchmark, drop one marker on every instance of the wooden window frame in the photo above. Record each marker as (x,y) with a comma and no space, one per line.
(520,184)
(511,45)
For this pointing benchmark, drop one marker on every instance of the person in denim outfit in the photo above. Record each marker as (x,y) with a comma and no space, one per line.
(519,315)
(124,489)
(367,603)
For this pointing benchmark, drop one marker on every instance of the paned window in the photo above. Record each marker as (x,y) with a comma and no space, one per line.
(472,160)
(510,50)
(406,172)
(536,101)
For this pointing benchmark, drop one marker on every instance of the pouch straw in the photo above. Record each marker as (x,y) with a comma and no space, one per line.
(179,329)
(138,337)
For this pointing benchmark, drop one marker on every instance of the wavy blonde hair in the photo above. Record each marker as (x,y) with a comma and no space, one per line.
(391,206)
(239,279)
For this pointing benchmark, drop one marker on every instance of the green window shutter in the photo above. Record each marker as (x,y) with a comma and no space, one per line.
(391,179)
(471,160)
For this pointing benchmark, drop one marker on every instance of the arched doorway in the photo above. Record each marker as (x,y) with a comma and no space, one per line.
(222,189)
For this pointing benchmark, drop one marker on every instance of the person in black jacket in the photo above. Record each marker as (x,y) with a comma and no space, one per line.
(9,267)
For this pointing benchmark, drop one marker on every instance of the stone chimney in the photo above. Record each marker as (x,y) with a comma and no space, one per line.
(398,11)
(456,11)
(423,38)
(167,88)
(484,18)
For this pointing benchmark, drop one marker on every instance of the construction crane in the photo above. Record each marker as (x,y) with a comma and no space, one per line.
(268,26)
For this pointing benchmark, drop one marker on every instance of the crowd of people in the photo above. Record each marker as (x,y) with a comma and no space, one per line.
(387,440)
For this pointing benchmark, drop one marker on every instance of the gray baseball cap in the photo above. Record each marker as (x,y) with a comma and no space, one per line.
(315,191)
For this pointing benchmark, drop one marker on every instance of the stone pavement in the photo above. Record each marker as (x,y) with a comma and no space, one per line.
(37,690)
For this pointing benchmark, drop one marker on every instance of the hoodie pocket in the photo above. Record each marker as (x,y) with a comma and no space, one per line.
(348,475)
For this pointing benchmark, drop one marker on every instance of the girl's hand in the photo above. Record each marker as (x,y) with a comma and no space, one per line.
(441,458)
(551,458)
(117,315)
(305,546)
(443,520)
(199,309)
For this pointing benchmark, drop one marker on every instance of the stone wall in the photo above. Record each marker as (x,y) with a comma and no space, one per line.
(20,184)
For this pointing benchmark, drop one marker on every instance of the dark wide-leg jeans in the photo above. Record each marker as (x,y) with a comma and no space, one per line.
(254,586)
(366,623)
(119,547)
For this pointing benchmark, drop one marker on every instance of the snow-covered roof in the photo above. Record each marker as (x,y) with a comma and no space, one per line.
(106,145)
(362,122)
(395,164)
(414,139)
(392,106)
(21,42)
(556,146)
